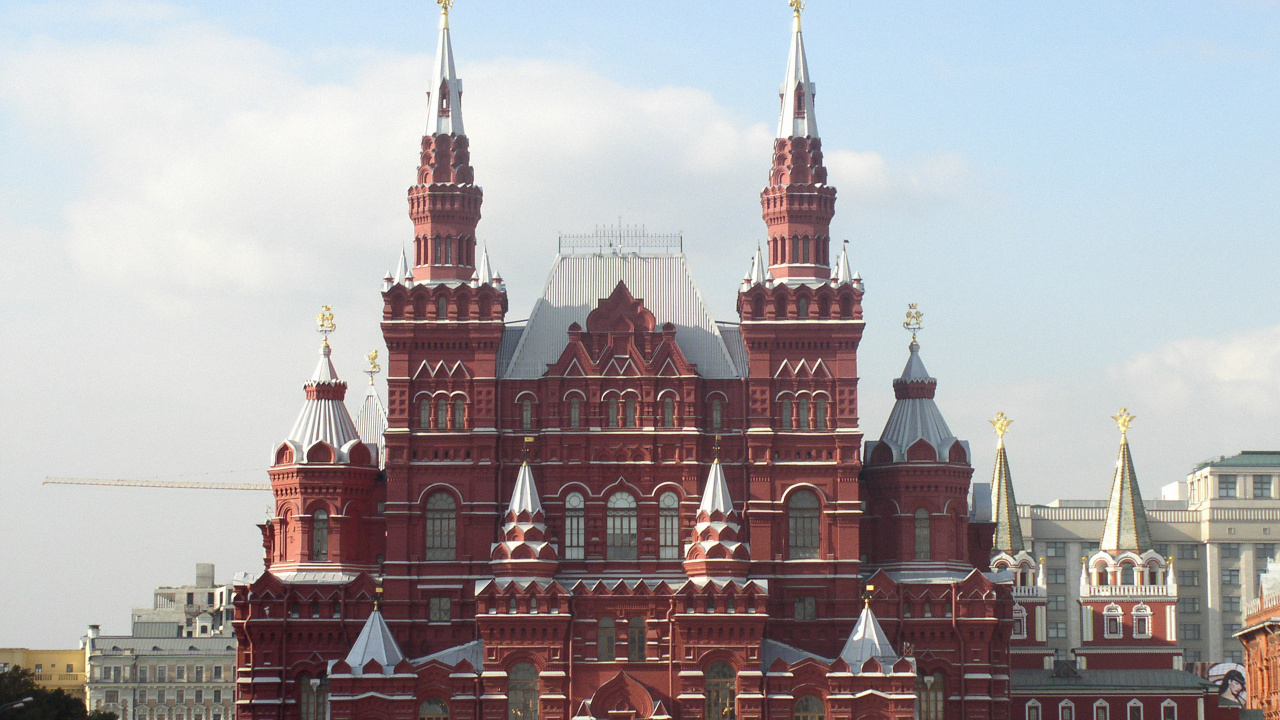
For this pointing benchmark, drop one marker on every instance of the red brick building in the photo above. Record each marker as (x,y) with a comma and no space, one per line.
(622,508)
(1261,640)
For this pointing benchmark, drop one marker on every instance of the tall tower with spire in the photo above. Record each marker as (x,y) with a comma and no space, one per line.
(1128,592)
(445,202)
(798,204)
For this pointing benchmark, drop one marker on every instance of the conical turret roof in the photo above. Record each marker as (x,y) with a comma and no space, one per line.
(867,641)
(798,118)
(1126,524)
(324,415)
(915,415)
(1004,508)
(375,643)
(524,497)
(445,90)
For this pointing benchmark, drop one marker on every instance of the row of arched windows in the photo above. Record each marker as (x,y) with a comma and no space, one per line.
(443,413)
(805,307)
(801,250)
(803,412)
(446,251)
(617,410)
(622,526)
(1101,710)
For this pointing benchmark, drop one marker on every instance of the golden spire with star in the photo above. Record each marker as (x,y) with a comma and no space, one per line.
(1124,421)
(1001,424)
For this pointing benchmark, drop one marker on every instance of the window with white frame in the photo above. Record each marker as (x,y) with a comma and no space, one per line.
(1134,710)
(441,525)
(1066,710)
(621,530)
(1019,622)
(1033,710)
(1142,621)
(1101,710)
(1168,710)
(1112,626)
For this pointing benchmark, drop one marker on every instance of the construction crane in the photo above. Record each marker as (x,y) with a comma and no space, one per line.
(148,482)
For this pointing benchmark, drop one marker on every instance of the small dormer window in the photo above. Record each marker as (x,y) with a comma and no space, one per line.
(444,98)
(799,111)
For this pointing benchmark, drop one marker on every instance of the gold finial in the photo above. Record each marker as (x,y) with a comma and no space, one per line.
(377,598)
(1001,424)
(1123,421)
(914,316)
(866,593)
(324,322)
(797,6)
(374,367)
(528,440)
(716,448)
(445,6)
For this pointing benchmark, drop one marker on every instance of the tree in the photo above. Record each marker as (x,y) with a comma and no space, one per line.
(18,683)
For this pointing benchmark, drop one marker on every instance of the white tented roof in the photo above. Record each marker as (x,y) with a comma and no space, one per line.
(374,643)
(578,282)
(324,419)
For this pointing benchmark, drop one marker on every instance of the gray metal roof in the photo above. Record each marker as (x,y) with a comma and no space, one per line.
(1101,682)
(374,643)
(109,644)
(916,418)
(472,652)
(732,335)
(507,346)
(867,641)
(324,419)
(1246,458)
(578,282)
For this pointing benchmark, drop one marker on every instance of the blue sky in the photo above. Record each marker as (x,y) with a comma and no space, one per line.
(1082,199)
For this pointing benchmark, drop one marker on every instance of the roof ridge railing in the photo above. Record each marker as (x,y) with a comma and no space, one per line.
(620,239)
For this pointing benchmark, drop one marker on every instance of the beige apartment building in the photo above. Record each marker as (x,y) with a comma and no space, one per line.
(53,669)
(1218,527)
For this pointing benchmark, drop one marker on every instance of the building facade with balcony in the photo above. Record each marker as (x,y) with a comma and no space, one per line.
(53,669)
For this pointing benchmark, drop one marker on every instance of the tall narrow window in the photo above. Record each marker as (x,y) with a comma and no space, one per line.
(611,412)
(635,640)
(808,708)
(795,249)
(433,709)
(526,414)
(459,414)
(802,414)
(930,697)
(621,531)
(522,692)
(574,520)
(442,308)
(802,308)
(820,413)
(442,414)
(313,697)
(802,512)
(1101,711)
(320,536)
(668,412)
(606,640)
(442,527)
(668,527)
(629,411)
(804,246)
(717,414)
(922,534)
(785,413)
(575,412)
(720,690)
(424,414)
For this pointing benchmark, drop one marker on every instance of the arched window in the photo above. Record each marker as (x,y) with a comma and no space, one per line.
(635,640)
(442,305)
(820,413)
(1168,710)
(459,414)
(606,640)
(717,414)
(1127,574)
(574,530)
(629,412)
(1112,626)
(424,414)
(802,512)
(922,534)
(1101,710)
(611,412)
(1019,622)
(930,697)
(795,249)
(442,414)
(522,692)
(668,526)
(313,697)
(442,527)
(804,244)
(526,414)
(802,308)
(808,708)
(575,412)
(320,536)
(784,412)
(1142,621)
(757,308)
(720,690)
(621,531)
(802,416)
(668,412)
(433,709)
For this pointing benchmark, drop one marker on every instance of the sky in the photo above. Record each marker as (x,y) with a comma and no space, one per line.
(1081,198)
